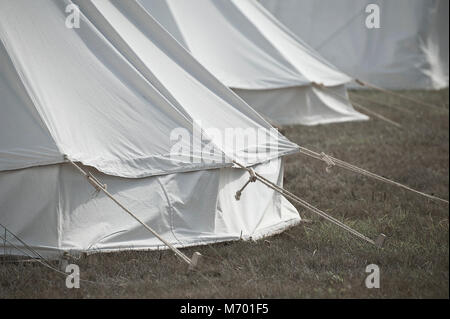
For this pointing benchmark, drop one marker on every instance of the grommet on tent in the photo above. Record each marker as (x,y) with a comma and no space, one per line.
(380,240)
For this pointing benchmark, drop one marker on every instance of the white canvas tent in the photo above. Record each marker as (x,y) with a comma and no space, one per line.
(86,94)
(248,50)
(408,51)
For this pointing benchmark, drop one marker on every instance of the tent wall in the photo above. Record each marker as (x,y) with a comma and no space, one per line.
(29,205)
(304,105)
(62,212)
(408,51)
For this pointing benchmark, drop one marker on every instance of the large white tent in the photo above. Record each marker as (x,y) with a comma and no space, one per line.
(87,94)
(409,50)
(248,50)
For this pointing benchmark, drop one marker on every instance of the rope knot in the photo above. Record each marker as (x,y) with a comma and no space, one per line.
(358,81)
(252,175)
(251,179)
(318,85)
(327,159)
(95,183)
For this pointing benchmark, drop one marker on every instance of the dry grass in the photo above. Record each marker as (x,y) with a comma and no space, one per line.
(311,260)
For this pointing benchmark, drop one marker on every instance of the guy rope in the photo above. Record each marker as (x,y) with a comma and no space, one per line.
(399,95)
(256,177)
(357,105)
(332,161)
(192,262)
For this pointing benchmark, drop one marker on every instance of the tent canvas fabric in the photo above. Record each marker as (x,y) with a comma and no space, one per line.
(408,51)
(54,210)
(88,94)
(248,50)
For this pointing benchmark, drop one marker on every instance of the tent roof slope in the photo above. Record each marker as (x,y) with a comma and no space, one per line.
(245,47)
(142,40)
(78,94)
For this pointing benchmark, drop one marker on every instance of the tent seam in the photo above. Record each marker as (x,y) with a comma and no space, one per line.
(170,210)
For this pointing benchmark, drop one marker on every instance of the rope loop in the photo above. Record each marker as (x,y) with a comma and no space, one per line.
(327,159)
(252,174)
(253,178)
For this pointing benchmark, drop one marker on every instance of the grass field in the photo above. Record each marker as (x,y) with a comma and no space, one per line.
(314,259)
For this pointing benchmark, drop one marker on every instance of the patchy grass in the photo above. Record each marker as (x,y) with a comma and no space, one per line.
(316,259)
